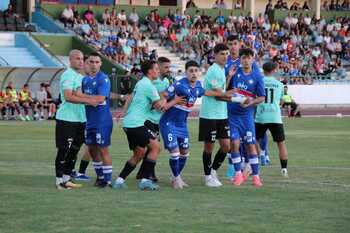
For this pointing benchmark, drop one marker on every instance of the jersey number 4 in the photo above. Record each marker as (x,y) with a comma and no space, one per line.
(269,95)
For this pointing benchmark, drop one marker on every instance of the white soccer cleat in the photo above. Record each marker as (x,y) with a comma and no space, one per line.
(211,182)
(214,175)
(247,171)
(184,184)
(284,172)
(176,183)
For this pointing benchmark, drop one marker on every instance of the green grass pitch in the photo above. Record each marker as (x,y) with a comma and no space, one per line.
(316,197)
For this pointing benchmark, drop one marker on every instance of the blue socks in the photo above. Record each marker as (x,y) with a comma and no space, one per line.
(98,169)
(254,163)
(236,160)
(182,162)
(174,164)
(107,173)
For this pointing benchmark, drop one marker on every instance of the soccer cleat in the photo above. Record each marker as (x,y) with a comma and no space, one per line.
(257,181)
(104,184)
(119,185)
(154,178)
(184,184)
(98,182)
(214,175)
(71,184)
(148,185)
(62,186)
(284,172)
(238,179)
(211,182)
(230,172)
(27,118)
(82,177)
(176,183)
(267,160)
(22,118)
(73,174)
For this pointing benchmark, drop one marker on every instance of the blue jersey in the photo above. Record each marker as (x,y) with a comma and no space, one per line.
(250,85)
(99,116)
(237,64)
(179,113)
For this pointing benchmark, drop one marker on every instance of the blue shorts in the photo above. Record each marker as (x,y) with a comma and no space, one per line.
(242,127)
(99,136)
(174,137)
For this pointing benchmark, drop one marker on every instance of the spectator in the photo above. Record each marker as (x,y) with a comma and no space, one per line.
(306,6)
(106,17)
(222,5)
(325,6)
(67,16)
(41,102)
(88,15)
(134,17)
(238,5)
(9,12)
(190,4)
(215,5)
(122,19)
(268,7)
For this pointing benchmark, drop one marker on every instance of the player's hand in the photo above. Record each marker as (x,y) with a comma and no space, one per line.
(181,100)
(93,102)
(232,71)
(247,103)
(229,93)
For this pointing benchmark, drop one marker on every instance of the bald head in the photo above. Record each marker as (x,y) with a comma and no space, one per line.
(76,59)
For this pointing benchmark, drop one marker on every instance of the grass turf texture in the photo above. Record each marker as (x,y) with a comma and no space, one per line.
(316,198)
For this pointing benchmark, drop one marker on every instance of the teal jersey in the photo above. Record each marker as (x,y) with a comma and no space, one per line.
(70,80)
(145,93)
(270,111)
(161,86)
(212,108)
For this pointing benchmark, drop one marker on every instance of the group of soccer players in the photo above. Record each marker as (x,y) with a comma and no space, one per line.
(238,105)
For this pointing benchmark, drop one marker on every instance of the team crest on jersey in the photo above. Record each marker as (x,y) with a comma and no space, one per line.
(171,89)
(250,81)
(94,83)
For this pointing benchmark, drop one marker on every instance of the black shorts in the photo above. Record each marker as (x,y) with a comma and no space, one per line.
(154,127)
(69,134)
(139,136)
(277,131)
(210,130)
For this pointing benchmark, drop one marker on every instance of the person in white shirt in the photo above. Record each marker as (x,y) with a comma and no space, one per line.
(67,16)
(134,17)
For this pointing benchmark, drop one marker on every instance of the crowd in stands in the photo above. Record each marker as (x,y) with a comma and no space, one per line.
(25,106)
(302,45)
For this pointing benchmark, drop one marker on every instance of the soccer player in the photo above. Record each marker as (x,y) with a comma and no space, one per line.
(12,101)
(152,123)
(173,123)
(250,86)
(70,121)
(99,123)
(268,114)
(3,105)
(213,123)
(231,66)
(145,97)
(25,100)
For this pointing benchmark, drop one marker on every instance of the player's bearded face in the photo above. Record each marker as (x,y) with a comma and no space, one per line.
(192,74)
(164,68)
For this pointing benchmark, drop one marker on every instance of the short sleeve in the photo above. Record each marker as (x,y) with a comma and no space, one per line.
(171,91)
(260,87)
(104,86)
(66,82)
(151,93)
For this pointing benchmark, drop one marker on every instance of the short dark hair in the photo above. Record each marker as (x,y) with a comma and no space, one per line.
(94,54)
(26,85)
(163,60)
(232,37)
(191,63)
(246,52)
(220,47)
(42,84)
(269,66)
(147,65)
